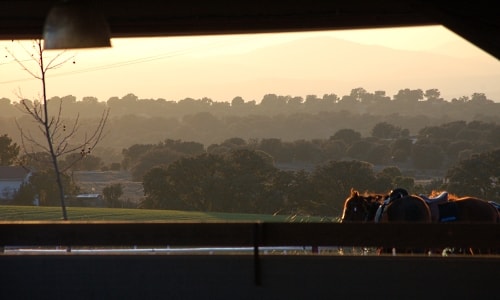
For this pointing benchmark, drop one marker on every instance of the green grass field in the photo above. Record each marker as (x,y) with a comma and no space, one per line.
(43,213)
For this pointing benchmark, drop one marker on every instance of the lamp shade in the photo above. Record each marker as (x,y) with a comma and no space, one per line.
(75,24)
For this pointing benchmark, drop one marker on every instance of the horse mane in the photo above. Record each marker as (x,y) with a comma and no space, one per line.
(377,197)
(371,197)
(366,193)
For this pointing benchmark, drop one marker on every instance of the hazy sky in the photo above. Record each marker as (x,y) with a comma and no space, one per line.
(223,67)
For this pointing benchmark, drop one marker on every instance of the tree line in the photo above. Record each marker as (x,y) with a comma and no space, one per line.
(433,149)
(387,159)
(247,181)
(287,118)
(237,176)
(406,102)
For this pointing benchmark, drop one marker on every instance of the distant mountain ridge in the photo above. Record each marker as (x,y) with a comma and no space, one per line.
(353,65)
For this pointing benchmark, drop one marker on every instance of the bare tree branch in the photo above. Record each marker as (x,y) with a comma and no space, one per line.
(52,126)
(25,68)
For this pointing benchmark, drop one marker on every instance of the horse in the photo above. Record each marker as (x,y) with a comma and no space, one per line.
(398,206)
(447,208)
(442,207)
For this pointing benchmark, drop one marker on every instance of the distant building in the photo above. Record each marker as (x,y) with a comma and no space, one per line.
(11,179)
(87,200)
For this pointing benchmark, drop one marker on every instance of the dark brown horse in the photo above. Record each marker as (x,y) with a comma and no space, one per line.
(447,208)
(453,208)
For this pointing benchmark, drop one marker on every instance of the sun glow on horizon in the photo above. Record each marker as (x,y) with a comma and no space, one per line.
(178,67)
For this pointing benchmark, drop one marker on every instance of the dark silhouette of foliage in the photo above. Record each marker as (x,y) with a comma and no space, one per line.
(154,157)
(427,156)
(346,135)
(409,96)
(132,154)
(26,195)
(379,154)
(384,130)
(477,176)
(332,182)
(46,188)
(159,194)
(233,182)
(112,194)
(360,150)
(9,151)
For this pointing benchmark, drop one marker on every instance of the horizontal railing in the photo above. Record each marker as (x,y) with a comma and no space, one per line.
(255,234)
(138,274)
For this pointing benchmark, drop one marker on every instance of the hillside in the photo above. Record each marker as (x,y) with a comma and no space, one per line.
(53,213)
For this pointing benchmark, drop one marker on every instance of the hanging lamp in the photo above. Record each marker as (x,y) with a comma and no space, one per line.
(75,24)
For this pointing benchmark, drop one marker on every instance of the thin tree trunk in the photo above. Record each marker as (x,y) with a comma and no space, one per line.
(46,125)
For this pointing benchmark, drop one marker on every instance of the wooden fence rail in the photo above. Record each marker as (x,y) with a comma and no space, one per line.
(224,234)
(161,276)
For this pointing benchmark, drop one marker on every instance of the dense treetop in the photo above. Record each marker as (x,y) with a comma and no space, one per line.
(288,118)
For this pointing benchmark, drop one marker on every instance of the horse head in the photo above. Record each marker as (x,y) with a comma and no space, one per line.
(360,208)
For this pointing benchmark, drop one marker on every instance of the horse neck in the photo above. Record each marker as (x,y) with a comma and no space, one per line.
(372,210)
